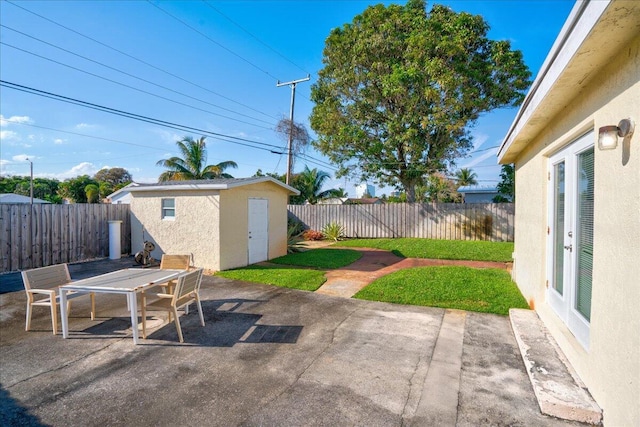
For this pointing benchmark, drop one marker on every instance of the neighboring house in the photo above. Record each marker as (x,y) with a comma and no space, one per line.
(478,194)
(351,201)
(222,223)
(364,201)
(121,196)
(577,239)
(17,198)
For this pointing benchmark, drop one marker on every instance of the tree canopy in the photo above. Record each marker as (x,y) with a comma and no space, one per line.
(507,185)
(193,163)
(400,89)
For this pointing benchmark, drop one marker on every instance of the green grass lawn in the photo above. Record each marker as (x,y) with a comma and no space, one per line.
(294,278)
(483,290)
(327,259)
(438,249)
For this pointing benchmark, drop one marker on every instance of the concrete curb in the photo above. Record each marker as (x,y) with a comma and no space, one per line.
(558,390)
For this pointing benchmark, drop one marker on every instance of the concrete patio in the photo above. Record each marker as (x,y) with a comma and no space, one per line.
(267,356)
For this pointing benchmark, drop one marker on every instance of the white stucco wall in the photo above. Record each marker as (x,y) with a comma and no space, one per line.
(234,216)
(611,366)
(195,229)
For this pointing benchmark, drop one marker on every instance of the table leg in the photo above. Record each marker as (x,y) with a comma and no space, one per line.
(64,313)
(133,305)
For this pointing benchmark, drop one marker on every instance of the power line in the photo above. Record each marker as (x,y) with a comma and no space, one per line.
(213,41)
(134,76)
(219,136)
(129,86)
(254,37)
(141,61)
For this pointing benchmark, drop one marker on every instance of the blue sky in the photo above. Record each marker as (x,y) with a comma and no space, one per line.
(210,65)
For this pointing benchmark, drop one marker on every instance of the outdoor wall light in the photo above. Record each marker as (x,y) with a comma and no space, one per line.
(608,135)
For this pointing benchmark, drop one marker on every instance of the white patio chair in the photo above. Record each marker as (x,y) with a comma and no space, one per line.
(42,288)
(186,291)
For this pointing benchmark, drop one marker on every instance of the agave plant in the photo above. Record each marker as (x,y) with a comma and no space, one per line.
(333,231)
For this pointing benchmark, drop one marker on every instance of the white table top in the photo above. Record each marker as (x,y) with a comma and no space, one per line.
(127,280)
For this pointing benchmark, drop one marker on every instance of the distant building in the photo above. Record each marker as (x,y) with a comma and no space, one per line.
(10,198)
(365,189)
(477,194)
(364,201)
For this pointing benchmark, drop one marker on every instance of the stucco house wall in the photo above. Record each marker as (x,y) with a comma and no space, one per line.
(598,86)
(211,219)
(234,216)
(194,230)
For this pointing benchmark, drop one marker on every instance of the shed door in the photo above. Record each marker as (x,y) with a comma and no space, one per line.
(570,236)
(258,230)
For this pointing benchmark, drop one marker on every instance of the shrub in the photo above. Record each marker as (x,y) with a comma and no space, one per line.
(312,235)
(333,231)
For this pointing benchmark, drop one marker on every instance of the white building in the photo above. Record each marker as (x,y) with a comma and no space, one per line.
(364,188)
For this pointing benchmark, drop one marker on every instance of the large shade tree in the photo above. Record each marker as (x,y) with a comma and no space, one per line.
(193,163)
(400,89)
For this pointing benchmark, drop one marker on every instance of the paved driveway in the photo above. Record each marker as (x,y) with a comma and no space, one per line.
(267,356)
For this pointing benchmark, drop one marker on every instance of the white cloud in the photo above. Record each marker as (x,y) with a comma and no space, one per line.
(58,141)
(480,158)
(23,158)
(478,140)
(4,121)
(4,162)
(85,126)
(8,135)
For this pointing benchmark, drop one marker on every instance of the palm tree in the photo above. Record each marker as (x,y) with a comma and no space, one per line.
(466,177)
(192,163)
(310,182)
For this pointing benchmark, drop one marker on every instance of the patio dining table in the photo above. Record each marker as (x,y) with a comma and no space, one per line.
(129,282)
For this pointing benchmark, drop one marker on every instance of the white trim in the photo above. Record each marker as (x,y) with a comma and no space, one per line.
(209,185)
(583,18)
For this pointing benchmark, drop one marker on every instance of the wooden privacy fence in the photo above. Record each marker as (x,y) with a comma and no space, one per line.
(45,234)
(452,221)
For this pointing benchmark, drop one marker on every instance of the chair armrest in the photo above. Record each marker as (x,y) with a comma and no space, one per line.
(42,291)
(164,295)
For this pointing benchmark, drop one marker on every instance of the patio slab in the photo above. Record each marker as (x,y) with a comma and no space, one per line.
(267,356)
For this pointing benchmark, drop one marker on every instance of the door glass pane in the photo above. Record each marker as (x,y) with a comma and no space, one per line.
(584,238)
(558,226)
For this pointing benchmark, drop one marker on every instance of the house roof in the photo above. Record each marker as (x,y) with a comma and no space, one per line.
(477,189)
(211,184)
(17,198)
(595,32)
(125,189)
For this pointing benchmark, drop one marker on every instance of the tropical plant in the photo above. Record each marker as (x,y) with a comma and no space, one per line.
(192,163)
(333,231)
(466,177)
(441,189)
(310,183)
(312,235)
(74,189)
(401,87)
(92,192)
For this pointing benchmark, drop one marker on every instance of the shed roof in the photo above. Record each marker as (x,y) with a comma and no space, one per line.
(211,184)
(477,189)
(594,32)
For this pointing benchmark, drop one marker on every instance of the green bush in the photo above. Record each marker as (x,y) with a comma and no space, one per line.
(333,231)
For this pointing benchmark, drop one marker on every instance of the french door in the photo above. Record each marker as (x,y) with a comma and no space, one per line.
(570,235)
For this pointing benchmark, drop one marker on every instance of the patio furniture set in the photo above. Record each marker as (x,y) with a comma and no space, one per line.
(178,283)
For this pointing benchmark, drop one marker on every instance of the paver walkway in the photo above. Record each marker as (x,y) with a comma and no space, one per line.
(375,263)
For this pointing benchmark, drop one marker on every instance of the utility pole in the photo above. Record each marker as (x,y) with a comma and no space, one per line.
(293,100)
(31,182)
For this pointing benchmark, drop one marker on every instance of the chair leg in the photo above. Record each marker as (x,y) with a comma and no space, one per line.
(54,317)
(29,308)
(93,305)
(177,322)
(200,310)
(143,309)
